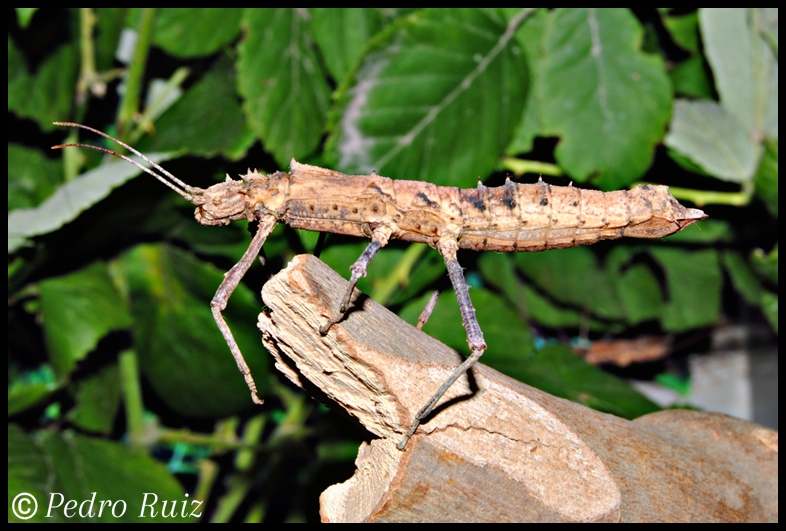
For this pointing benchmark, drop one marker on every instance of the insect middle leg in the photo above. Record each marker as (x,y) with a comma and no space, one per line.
(475,339)
(379,239)
(231,279)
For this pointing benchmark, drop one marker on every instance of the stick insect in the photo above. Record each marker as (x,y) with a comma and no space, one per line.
(509,218)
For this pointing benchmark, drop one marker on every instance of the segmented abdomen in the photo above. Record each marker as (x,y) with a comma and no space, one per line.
(512,217)
(536,217)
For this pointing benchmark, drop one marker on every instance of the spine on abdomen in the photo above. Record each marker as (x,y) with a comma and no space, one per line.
(508,218)
(536,217)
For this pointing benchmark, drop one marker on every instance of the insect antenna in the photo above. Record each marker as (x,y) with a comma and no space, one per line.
(184,191)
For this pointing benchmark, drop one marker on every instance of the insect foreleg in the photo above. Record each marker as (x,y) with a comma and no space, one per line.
(475,339)
(231,279)
(379,239)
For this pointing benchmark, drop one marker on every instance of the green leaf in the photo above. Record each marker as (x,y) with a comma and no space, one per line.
(499,271)
(637,287)
(693,280)
(684,29)
(555,369)
(30,388)
(766,179)
(530,38)
(181,350)
(429,268)
(32,177)
(724,139)
(195,32)
(559,371)
(25,15)
(28,471)
(385,269)
(342,34)
(767,264)
(543,310)
(508,338)
(97,399)
(572,287)
(21,397)
(744,66)
(70,200)
(282,82)
(573,277)
(608,101)
(112,22)
(46,94)
(207,120)
(769,304)
(714,139)
(56,468)
(690,78)
(436,98)
(743,277)
(77,310)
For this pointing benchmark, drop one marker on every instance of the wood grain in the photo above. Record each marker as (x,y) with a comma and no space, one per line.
(496,449)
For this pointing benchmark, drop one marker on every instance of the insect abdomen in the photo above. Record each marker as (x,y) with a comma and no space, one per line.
(508,218)
(536,217)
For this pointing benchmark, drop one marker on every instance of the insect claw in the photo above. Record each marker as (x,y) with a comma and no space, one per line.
(323,330)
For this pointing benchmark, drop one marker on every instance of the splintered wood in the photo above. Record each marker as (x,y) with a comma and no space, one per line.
(499,450)
(512,217)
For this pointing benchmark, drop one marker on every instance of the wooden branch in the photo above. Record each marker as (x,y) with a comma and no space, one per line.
(496,449)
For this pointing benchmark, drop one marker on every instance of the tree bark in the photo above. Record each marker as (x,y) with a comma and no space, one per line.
(495,449)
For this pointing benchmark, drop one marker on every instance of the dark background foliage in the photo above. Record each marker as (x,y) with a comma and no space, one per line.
(119,381)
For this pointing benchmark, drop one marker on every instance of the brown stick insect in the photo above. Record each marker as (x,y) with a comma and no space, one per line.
(508,218)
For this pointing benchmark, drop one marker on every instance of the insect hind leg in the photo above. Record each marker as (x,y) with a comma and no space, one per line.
(475,339)
(428,310)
